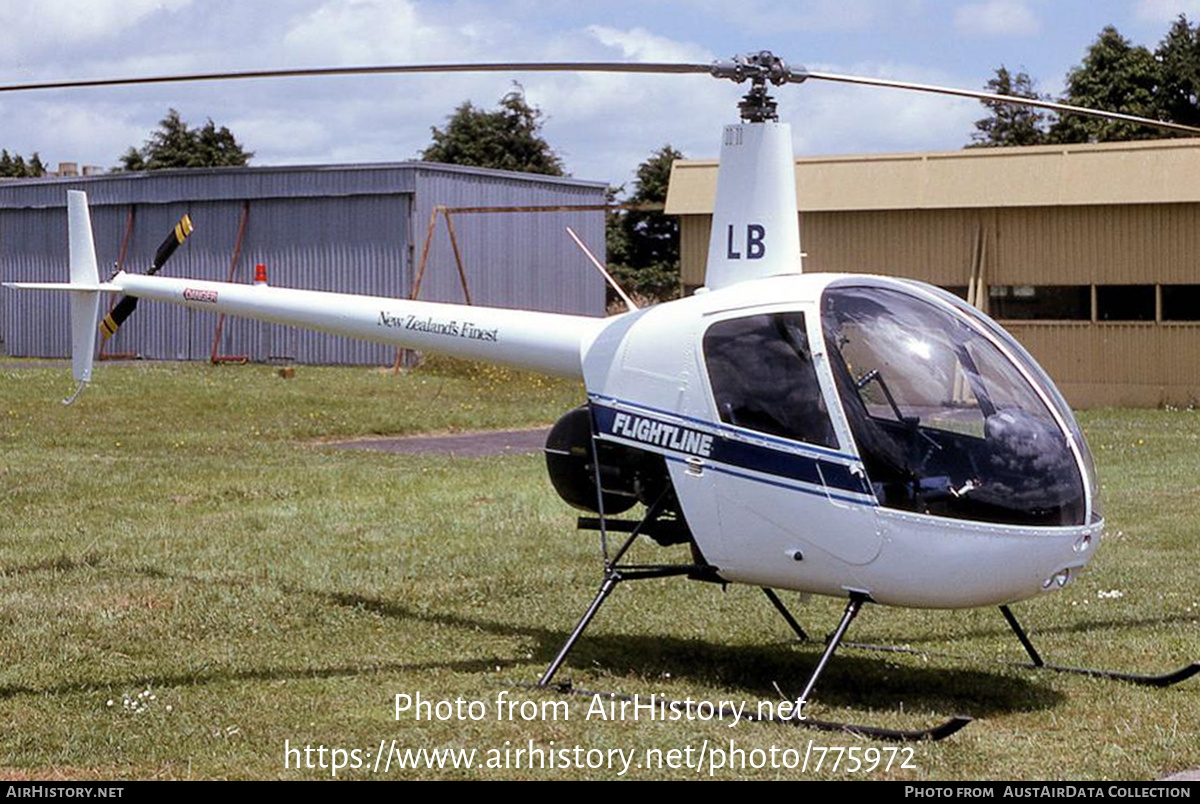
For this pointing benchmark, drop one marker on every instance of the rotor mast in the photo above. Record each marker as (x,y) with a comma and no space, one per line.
(755,228)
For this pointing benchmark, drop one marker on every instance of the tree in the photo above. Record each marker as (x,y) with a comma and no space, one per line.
(508,138)
(14,166)
(175,145)
(643,246)
(1115,76)
(1178,57)
(1010,124)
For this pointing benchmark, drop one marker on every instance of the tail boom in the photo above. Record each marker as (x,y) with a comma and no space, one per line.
(549,343)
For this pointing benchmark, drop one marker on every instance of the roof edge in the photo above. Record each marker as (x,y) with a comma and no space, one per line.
(1137,172)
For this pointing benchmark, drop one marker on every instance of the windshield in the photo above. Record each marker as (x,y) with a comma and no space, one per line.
(1040,376)
(945,423)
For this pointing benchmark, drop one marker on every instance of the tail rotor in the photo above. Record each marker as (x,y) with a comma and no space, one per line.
(85,287)
(127,304)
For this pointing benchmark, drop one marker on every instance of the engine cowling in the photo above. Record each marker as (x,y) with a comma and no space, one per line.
(628,476)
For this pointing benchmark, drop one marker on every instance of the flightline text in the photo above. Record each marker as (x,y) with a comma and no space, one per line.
(662,434)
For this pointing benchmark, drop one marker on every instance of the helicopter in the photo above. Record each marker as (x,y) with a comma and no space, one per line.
(867,438)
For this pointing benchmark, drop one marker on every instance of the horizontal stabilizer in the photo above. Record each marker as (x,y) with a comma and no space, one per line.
(106,287)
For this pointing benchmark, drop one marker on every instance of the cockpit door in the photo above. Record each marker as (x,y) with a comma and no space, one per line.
(788,489)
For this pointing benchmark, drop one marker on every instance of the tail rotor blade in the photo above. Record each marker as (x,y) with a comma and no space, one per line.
(116,317)
(173,241)
(125,307)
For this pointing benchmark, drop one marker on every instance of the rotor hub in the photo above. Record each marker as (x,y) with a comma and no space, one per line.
(759,69)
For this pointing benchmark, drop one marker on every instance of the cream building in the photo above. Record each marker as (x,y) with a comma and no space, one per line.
(1089,254)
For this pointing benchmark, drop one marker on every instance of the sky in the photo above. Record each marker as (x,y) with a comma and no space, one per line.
(601,125)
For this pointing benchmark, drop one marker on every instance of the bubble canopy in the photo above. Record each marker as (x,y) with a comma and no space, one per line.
(951,416)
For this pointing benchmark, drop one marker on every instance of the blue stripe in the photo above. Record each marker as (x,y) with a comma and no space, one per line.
(788,486)
(719,428)
(754,457)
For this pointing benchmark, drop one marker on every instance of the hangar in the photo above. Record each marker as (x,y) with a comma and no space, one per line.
(1088,254)
(346,228)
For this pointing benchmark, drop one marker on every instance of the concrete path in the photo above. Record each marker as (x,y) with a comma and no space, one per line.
(462,445)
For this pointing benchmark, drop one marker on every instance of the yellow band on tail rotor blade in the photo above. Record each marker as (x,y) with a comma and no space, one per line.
(183,229)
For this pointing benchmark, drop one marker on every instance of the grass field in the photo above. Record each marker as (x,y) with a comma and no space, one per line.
(190,581)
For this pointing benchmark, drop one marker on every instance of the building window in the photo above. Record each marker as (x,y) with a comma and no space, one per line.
(1044,302)
(1181,302)
(1125,303)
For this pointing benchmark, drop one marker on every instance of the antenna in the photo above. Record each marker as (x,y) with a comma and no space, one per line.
(599,267)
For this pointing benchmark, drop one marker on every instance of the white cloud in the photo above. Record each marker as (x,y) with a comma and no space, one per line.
(639,44)
(69,132)
(363,31)
(1165,11)
(53,24)
(996,18)
(760,17)
(882,120)
(401,31)
(606,123)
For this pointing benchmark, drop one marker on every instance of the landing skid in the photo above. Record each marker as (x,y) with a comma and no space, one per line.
(1145,680)
(616,573)
(1036,661)
(1163,680)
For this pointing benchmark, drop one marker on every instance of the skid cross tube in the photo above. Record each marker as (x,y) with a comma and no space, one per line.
(939,731)
(610,582)
(614,573)
(612,577)
(1015,625)
(852,609)
(787,615)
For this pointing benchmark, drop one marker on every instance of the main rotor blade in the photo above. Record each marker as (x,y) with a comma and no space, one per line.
(759,67)
(800,75)
(387,69)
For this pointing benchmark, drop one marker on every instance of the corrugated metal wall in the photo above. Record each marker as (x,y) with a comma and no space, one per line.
(348,229)
(1135,244)
(936,246)
(511,259)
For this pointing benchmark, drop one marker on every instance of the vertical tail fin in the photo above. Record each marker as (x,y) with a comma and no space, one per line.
(85,304)
(755,228)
